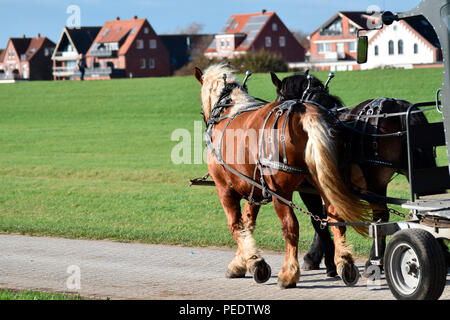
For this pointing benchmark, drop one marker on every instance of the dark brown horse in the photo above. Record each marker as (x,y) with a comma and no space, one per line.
(375,147)
(307,151)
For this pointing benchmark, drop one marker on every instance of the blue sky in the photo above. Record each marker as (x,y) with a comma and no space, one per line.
(48,17)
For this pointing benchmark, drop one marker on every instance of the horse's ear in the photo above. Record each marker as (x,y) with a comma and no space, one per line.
(275,80)
(198,74)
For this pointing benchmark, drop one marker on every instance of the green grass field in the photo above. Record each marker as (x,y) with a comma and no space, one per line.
(92,159)
(35,295)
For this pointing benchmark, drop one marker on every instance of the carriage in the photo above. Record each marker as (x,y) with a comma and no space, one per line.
(414,261)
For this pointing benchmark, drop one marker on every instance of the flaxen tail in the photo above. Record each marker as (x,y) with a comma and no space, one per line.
(322,160)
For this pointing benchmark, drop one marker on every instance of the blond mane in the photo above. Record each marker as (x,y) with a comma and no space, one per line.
(213,85)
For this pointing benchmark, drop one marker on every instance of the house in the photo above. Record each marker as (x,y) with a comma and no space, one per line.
(127,48)
(183,48)
(333,45)
(253,32)
(27,59)
(72,44)
(411,43)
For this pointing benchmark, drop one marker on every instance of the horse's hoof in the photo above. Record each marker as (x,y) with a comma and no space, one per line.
(331,273)
(234,275)
(262,272)
(308,264)
(349,274)
(283,285)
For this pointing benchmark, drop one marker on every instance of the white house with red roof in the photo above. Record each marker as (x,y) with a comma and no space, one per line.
(411,43)
(253,32)
(405,44)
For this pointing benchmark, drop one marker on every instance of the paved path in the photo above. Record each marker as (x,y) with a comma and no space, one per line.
(143,271)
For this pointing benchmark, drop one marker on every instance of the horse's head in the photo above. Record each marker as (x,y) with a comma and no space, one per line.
(300,86)
(220,85)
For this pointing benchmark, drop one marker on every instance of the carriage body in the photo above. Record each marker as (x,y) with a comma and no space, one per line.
(414,260)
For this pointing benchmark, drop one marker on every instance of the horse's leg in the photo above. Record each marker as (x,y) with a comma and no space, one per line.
(290,272)
(343,256)
(256,265)
(247,257)
(322,243)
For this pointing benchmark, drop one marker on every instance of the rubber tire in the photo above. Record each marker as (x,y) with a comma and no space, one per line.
(431,260)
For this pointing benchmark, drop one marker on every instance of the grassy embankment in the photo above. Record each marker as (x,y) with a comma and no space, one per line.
(93,159)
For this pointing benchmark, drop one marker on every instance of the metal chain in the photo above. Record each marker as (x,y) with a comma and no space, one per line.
(323,222)
(397,213)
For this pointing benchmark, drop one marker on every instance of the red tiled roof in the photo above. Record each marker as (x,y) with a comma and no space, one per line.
(240,20)
(28,46)
(117,30)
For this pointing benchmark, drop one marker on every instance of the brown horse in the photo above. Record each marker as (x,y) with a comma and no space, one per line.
(305,151)
(376,149)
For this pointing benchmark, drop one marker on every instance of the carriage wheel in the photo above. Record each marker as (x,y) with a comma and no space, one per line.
(415,265)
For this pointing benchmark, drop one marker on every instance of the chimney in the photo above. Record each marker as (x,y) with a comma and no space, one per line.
(135,17)
(117,18)
(23,36)
(38,35)
(263,11)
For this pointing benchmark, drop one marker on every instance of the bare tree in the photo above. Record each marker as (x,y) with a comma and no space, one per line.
(192,28)
(302,37)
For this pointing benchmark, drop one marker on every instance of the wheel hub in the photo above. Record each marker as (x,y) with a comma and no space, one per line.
(406,269)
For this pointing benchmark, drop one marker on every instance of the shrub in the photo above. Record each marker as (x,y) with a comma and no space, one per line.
(261,61)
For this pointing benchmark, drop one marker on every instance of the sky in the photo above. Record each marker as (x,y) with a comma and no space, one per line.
(48,17)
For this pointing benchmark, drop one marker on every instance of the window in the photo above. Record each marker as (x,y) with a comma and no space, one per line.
(352,46)
(391,47)
(228,43)
(376,50)
(151,63)
(233,26)
(146,30)
(320,48)
(222,44)
(328,47)
(333,29)
(282,41)
(274,27)
(143,64)
(105,32)
(140,44)
(400,46)
(153,43)
(268,42)
(416,48)
(133,30)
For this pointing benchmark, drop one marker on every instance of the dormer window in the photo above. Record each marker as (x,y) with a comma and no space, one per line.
(333,29)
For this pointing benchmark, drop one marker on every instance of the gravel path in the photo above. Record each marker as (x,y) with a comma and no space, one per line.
(144,271)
